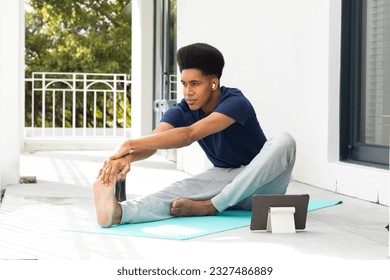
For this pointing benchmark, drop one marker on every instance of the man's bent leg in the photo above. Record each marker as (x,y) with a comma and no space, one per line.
(273,164)
(185,207)
(277,186)
(108,210)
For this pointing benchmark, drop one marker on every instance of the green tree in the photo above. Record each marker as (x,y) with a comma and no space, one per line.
(78,36)
(88,36)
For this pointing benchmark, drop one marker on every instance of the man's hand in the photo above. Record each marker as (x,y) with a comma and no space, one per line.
(122,150)
(114,169)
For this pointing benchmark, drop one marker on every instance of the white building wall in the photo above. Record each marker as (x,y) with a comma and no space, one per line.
(284,55)
(11,88)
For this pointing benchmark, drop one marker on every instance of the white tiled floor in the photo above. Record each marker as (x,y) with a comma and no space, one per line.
(32,215)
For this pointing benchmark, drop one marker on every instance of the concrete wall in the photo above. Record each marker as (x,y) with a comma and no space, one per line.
(11,88)
(284,55)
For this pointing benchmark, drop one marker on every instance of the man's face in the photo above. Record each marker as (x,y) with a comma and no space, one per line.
(198,90)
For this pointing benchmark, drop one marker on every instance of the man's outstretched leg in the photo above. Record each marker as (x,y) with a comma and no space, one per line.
(108,210)
(188,197)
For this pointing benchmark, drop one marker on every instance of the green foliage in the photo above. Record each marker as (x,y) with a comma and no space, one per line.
(76,36)
(92,36)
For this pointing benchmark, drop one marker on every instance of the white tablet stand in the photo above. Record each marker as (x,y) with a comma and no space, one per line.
(281,220)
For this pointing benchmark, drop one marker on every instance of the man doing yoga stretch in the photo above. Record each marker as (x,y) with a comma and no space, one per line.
(226,127)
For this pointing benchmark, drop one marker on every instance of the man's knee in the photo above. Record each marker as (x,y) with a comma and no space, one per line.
(286,138)
(284,141)
(285,146)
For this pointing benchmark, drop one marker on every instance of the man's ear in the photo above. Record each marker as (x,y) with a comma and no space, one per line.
(215,83)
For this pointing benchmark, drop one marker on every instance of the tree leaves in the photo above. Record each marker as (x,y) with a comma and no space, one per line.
(78,36)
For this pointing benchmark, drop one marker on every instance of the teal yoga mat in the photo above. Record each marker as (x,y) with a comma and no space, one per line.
(190,227)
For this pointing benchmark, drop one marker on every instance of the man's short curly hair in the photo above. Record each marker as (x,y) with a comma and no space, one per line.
(201,56)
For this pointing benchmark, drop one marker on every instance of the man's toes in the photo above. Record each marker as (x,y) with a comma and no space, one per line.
(176,207)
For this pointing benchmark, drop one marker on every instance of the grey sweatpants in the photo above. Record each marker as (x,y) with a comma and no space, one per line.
(268,173)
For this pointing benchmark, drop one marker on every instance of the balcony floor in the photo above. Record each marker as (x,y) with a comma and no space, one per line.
(32,215)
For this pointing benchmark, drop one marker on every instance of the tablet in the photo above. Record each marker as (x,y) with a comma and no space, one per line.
(262,203)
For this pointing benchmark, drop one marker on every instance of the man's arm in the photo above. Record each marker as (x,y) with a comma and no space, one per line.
(176,137)
(141,154)
(114,167)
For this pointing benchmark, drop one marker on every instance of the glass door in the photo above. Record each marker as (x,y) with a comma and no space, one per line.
(165,90)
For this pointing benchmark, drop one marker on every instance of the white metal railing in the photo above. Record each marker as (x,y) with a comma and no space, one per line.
(77,105)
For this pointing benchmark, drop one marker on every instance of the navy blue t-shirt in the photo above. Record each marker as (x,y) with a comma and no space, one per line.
(234,146)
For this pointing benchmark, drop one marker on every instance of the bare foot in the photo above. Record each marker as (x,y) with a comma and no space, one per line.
(108,210)
(184,207)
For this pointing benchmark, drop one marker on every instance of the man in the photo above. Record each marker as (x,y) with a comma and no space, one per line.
(225,125)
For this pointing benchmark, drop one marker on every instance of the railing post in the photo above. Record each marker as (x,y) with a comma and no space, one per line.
(104,113)
(54,112)
(115,104)
(94,112)
(124,105)
(63,112)
(32,104)
(74,105)
(85,105)
(43,103)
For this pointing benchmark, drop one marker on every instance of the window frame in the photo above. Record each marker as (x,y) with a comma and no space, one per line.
(351,148)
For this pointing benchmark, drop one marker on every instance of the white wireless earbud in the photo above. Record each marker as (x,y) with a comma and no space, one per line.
(213,86)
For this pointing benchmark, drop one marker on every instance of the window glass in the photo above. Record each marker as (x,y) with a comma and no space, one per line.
(375,76)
